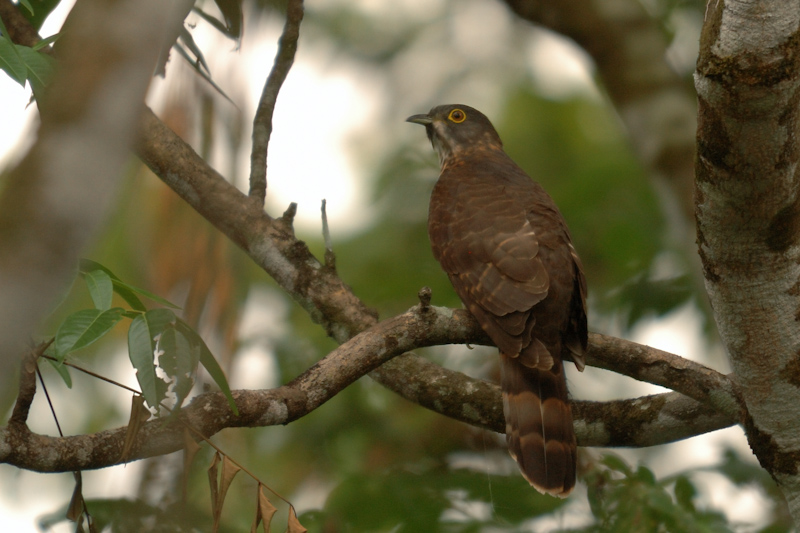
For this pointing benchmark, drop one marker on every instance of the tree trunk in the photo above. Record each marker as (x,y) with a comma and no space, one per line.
(748,216)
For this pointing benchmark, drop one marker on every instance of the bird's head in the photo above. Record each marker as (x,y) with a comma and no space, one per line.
(455,129)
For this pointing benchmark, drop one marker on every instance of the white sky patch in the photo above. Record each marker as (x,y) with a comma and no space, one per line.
(745,505)
(322,103)
(560,69)
(678,332)
(15,132)
(264,322)
(19,122)
(308,153)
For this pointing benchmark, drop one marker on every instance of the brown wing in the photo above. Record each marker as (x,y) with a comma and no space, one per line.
(576,337)
(506,249)
(490,251)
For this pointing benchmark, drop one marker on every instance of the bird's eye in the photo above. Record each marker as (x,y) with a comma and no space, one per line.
(457,116)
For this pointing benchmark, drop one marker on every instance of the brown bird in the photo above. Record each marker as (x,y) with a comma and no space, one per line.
(507,251)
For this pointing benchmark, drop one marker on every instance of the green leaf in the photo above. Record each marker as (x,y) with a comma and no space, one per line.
(167,359)
(39,67)
(87,265)
(141,350)
(126,291)
(685,492)
(645,475)
(614,462)
(82,328)
(43,10)
(27,5)
(62,370)
(10,61)
(46,41)
(178,360)
(394,501)
(659,503)
(101,288)
(208,361)
(187,358)
(147,294)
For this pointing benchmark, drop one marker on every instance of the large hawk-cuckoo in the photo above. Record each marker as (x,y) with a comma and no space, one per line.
(506,248)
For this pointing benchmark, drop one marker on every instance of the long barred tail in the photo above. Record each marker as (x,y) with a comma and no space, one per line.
(539,428)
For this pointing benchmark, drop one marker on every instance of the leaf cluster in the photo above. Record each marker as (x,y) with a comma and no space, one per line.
(26,63)
(157,338)
(623,498)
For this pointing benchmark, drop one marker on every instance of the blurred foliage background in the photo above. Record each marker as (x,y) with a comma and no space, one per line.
(368,460)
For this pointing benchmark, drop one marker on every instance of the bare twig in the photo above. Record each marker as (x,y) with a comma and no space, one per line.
(330,257)
(77,507)
(330,302)
(288,216)
(262,123)
(269,242)
(94,374)
(425,294)
(49,401)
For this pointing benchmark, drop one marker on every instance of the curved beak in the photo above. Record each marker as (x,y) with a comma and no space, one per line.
(425,120)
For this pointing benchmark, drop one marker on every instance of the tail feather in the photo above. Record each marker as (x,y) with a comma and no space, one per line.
(539,428)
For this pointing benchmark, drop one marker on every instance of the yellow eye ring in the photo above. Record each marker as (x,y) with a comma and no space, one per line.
(457,115)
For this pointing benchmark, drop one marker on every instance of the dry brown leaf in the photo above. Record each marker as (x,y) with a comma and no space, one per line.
(139,415)
(190,449)
(229,471)
(216,508)
(265,510)
(294,524)
(75,509)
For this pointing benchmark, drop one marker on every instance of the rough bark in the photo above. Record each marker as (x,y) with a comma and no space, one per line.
(748,220)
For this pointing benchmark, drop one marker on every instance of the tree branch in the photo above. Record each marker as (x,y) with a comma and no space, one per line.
(262,123)
(19,29)
(269,242)
(27,384)
(639,422)
(667,370)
